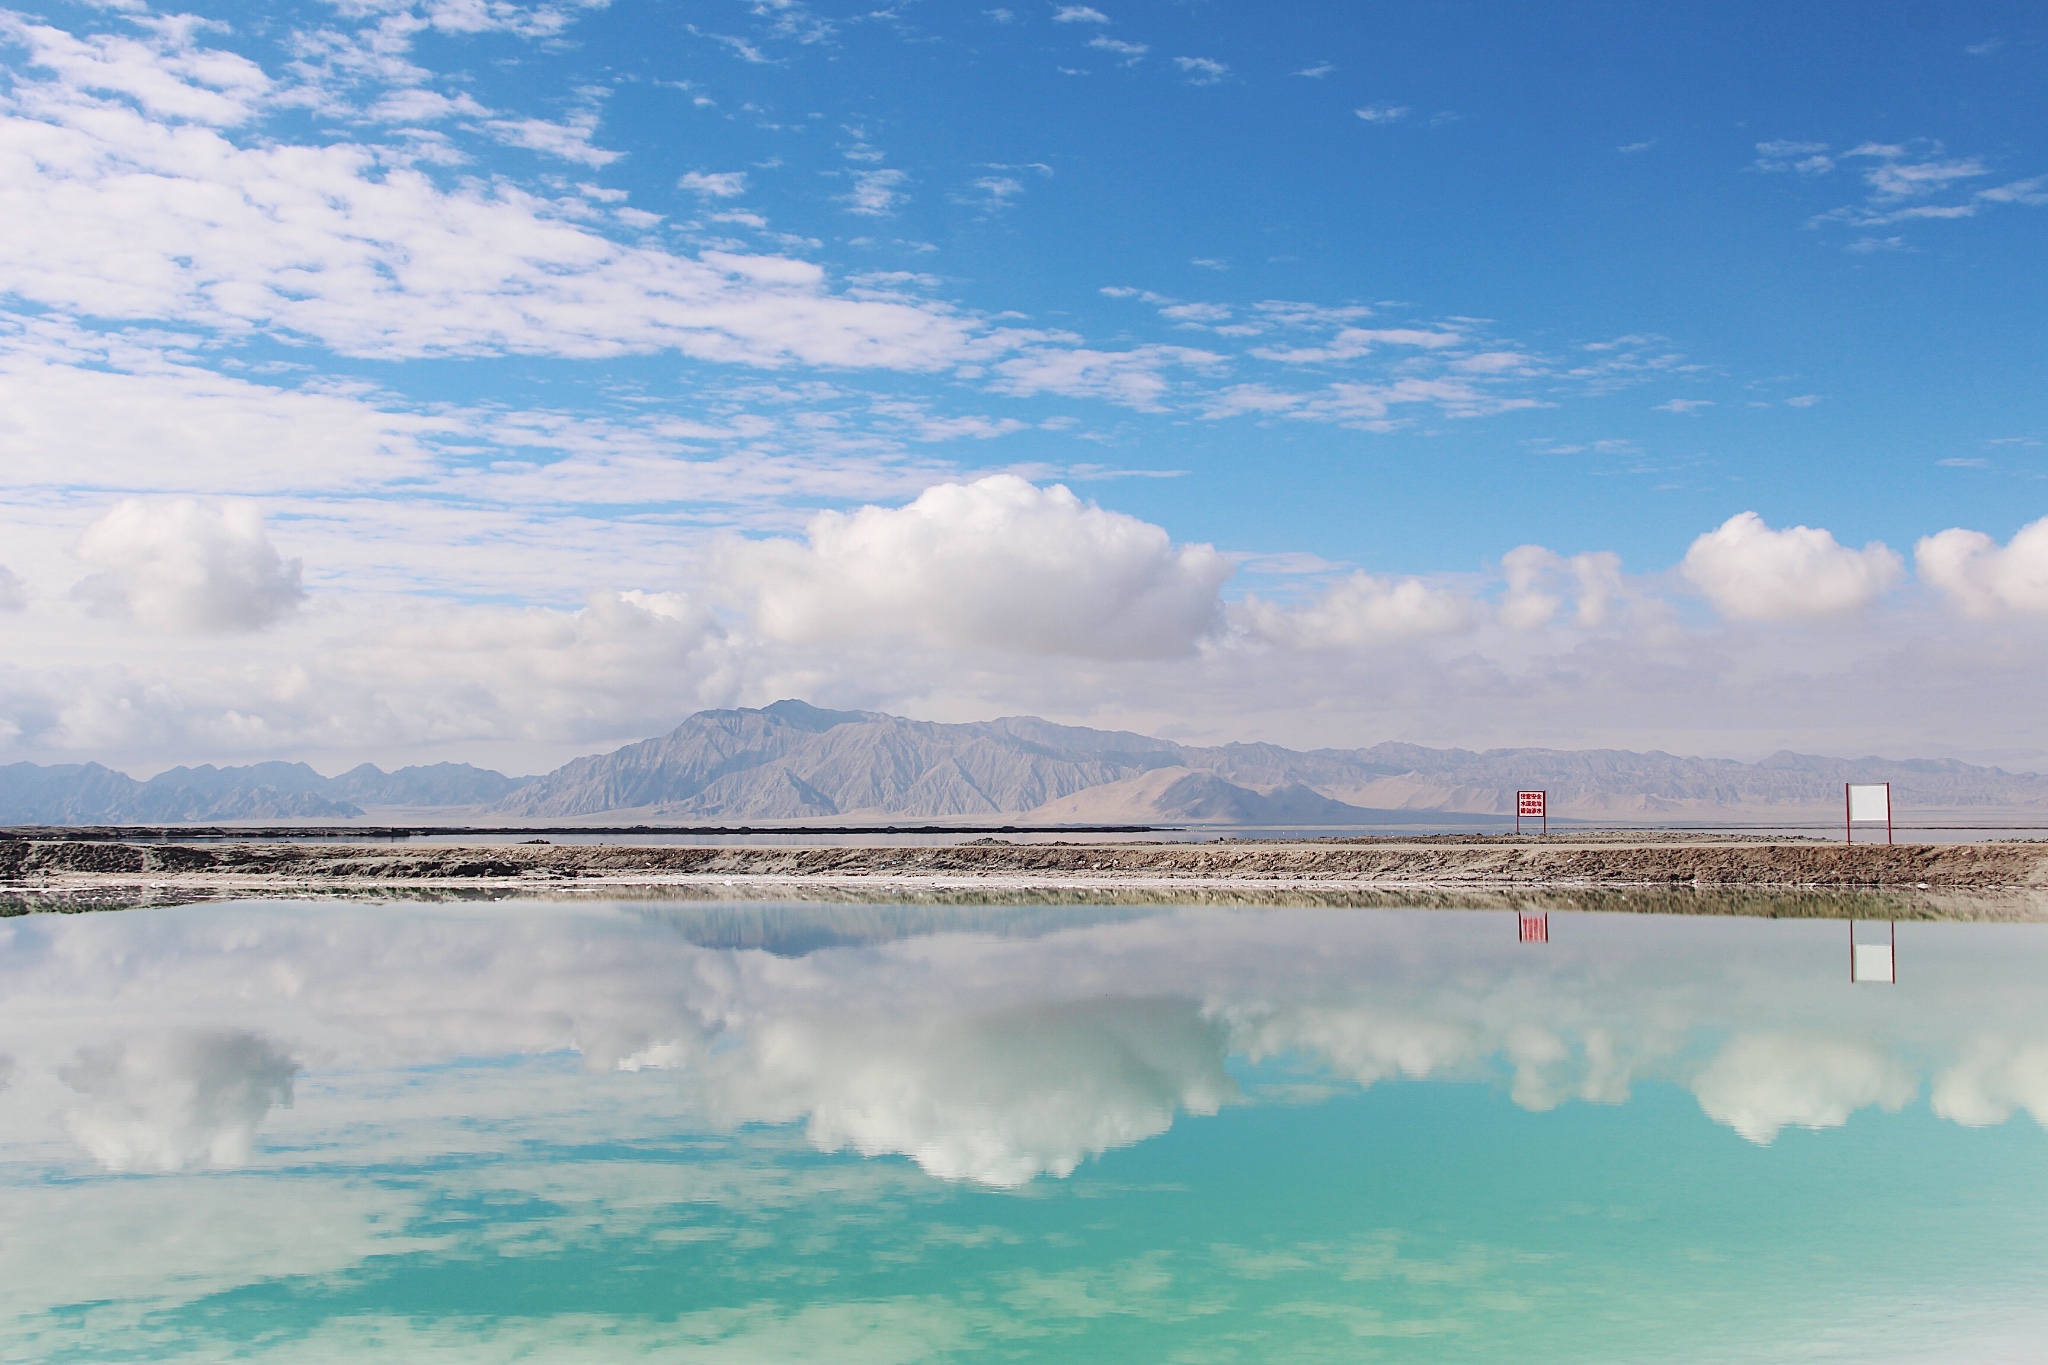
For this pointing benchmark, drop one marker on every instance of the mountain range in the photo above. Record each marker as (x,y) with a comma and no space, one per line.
(89,794)
(795,762)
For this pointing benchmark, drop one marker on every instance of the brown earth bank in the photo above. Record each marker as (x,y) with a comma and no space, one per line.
(1617,870)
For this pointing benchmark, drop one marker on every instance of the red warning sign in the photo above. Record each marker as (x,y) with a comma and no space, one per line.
(1532,803)
(1535,928)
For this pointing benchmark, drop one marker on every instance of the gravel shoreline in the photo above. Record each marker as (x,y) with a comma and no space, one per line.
(1611,870)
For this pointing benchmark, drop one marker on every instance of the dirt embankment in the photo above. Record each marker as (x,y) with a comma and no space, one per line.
(1466,862)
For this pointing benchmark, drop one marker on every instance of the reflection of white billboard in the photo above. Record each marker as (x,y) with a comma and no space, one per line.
(1874,961)
(1867,803)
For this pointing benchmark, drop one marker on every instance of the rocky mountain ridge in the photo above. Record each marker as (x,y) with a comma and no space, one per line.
(89,794)
(795,762)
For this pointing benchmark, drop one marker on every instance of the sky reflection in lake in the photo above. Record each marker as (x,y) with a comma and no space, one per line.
(302,1131)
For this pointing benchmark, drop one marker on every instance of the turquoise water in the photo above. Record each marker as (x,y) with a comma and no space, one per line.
(296,1131)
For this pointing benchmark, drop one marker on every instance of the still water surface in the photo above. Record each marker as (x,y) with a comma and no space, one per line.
(591,1132)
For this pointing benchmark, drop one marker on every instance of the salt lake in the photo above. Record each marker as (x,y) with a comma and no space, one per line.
(289,1130)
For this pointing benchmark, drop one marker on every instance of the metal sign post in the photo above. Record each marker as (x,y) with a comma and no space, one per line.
(1532,806)
(1866,803)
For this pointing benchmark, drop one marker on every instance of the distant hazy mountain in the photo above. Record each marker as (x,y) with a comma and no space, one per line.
(88,794)
(796,761)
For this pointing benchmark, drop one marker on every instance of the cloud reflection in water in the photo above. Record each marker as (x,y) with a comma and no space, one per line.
(979,1052)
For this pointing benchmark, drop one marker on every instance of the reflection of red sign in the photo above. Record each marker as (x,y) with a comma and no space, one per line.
(1535,928)
(1530,803)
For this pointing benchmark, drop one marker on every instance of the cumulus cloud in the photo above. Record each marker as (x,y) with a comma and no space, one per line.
(1983,578)
(1362,609)
(13,593)
(1762,1083)
(996,564)
(1536,576)
(177,1099)
(1753,573)
(178,565)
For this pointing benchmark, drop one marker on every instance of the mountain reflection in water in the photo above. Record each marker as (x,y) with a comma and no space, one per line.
(749,1131)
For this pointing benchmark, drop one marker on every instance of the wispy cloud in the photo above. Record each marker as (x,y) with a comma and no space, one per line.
(875,193)
(1904,182)
(1318,71)
(1201,70)
(1078,14)
(1131,53)
(715,184)
(1806,158)
(569,140)
(1383,113)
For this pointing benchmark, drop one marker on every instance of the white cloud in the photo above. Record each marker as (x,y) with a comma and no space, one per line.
(181,566)
(1368,407)
(1352,342)
(1135,378)
(1361,609)
(1078,14)
(76,412)
(414,105)
(111,212)
(995,564)
(1684,407)
(13,594)
(1981,577)
(170,79)
(1534,575)
(1762,1083)
(1382,113)
(1201,70)
(371,675)
(1807,158)
(1752,573)
(715,184)
(1906,181)
(874,192)
(569,140)
(1899,174)
(1130,52)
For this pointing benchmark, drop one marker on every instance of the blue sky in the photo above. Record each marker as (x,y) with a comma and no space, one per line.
(464,379)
